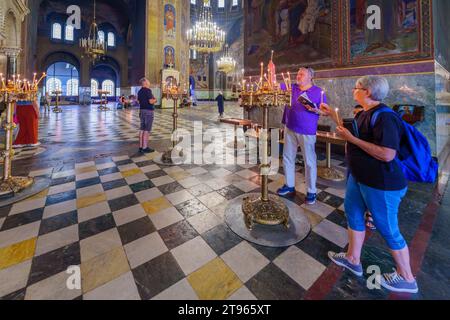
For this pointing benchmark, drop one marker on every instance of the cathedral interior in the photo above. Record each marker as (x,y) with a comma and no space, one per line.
(162,149)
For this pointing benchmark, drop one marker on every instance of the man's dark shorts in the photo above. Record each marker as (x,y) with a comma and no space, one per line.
(147,117)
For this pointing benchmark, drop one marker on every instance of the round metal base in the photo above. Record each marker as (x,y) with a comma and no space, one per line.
(167,160)
(275,236)
(39,185)
(14,185)
(272,212)
(331,174)
(57,110)
(103,108)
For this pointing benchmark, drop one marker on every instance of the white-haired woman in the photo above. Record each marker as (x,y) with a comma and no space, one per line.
(376,183)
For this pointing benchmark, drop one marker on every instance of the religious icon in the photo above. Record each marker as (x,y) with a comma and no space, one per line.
(169,57)
(169,21)
(399,28)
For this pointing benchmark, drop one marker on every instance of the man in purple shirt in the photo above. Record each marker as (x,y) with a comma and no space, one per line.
(301,121)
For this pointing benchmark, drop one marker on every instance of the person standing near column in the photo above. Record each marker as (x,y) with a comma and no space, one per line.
(147,104)
(301,123)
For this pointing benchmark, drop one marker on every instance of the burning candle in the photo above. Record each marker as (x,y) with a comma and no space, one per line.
(262,69)
(322,93)
(289,80)
(337,116)
(34,78)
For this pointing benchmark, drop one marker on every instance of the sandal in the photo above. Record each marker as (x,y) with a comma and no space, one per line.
(369,222)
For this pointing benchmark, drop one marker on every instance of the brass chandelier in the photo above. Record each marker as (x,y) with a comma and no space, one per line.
(206,36)
(93,47)
(226,63)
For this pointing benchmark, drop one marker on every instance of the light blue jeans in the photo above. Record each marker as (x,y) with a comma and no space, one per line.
(292,141)
(383,205)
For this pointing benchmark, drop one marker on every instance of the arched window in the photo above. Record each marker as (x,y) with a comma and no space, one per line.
(65,77)
(53,84)
(101,36)
(69,33)
(72,87)
(56,31)
(108,85)
(111,39)
(94,88)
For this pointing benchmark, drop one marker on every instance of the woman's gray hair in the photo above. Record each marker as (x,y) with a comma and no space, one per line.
(378,86)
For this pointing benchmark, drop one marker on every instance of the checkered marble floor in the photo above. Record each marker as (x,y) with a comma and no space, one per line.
(139,230)
(87,123)
(26,152)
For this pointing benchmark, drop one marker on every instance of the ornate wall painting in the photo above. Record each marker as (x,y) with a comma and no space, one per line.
(299,31)
(169,57)
(199,71)
(170,21)
(399,31)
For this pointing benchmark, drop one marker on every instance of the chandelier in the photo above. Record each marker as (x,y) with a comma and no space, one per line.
(93,47)
(226,63)
(206,36)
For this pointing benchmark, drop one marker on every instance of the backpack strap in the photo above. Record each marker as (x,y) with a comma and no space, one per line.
(377,113)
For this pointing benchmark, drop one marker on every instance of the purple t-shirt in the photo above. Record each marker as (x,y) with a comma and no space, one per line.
(298,118)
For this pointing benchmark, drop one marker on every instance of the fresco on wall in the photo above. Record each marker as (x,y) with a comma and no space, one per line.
(299,31)
(169,21)
(399,30)
(442,25)
(199,71)
(169,57)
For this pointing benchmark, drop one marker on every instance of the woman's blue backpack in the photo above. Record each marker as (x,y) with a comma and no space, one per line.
(415,154)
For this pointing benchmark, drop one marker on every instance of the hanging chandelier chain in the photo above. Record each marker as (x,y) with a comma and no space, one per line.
(226,63)
(93,46)
(206,36)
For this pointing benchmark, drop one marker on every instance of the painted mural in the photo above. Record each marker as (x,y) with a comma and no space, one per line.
(169,57)
(442,27)
(199,72)
(299,31)
(170,21)
(399,31)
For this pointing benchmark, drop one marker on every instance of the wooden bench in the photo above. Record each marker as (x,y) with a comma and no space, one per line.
(245,123)
(329,138)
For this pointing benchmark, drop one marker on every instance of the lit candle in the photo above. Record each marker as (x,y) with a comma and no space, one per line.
(321,97)
(34,78)
(337,116)
(262,69)
(289,80)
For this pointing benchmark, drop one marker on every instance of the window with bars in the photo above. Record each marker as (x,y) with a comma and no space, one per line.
(108,85)
(94,88)
(111,39)
(69,33)
(72,87)
(53,84)
(56,31)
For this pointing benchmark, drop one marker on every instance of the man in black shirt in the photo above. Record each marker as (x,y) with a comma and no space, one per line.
(147,103)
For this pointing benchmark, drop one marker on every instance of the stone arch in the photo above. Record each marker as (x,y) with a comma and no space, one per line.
(12,37)
(61,56)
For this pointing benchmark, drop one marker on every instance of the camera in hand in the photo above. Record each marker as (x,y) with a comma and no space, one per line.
(351,125)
